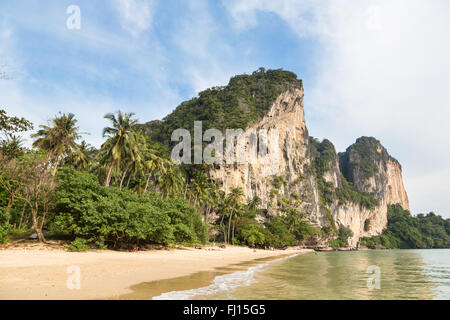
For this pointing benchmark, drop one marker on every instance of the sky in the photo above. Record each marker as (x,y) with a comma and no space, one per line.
(376,68)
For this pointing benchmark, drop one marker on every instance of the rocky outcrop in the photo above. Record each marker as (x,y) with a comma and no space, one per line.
(289,163)
(295,169)
(395,189)
(371,169)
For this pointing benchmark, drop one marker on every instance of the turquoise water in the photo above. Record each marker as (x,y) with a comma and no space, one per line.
(403,274)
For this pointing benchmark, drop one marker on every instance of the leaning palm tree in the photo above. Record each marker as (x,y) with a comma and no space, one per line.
(154,167)
(58,138)
(133,163)
(121,141)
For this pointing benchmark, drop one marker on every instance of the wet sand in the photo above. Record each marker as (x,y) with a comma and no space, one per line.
(148,290)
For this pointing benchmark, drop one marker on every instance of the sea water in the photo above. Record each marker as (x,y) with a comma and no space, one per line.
(369,274)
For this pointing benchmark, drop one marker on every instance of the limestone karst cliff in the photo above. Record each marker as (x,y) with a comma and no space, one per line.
(332,191)
(351,190)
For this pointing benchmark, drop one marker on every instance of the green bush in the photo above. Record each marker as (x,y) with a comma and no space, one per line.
(114,217)
(4,228)
(79,244)
(305,231)
(335,243)
(280,235)
(342,238)
(367,225)
(183,234)
(3,233)
(253,236)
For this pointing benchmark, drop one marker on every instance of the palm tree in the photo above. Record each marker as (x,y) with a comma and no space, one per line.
(199,188)
(233,201)
(155,166)
(171,181)
(80,157)
(12,146)
(254,203)
(58,138)
(121,141)
(132,161)
(214,199)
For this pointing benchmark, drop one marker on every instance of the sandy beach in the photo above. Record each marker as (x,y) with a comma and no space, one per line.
(42,273)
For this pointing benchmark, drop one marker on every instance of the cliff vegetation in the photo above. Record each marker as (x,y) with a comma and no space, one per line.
(246,99)
(404,231)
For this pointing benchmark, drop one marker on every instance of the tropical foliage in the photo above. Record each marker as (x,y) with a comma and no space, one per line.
(412,232)
(325,156)
(129,194)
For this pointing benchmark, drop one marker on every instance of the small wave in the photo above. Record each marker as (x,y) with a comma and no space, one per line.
(225,282)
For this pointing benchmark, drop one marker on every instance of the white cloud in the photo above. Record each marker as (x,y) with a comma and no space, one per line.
(135,15)
(306,17)
(207,60)
(383,71)
(98,55)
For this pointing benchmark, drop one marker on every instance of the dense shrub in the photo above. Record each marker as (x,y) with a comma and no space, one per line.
(114,217)
(4,228)
(79,244)
(342,238)
(3,233)
(280,235)
(306,231)
(253,235)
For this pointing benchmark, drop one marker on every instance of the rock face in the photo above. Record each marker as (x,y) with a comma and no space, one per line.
(291,160)
(368,165)
(293,171)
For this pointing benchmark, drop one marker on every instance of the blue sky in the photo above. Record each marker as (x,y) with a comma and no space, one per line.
(377,68)
(149,67)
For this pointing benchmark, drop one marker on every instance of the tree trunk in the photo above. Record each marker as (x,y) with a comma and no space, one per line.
(8,208)
(229,225)
(56,167)
(225,238)
(146,183)
(232,234)
(223,229)
(21,217)
(124,174)
(123,178)
(37,228)
(108,177)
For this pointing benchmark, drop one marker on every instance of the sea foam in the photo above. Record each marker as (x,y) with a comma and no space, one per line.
(226,282)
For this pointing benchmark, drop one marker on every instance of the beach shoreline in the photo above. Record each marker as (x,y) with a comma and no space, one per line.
(42,273)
